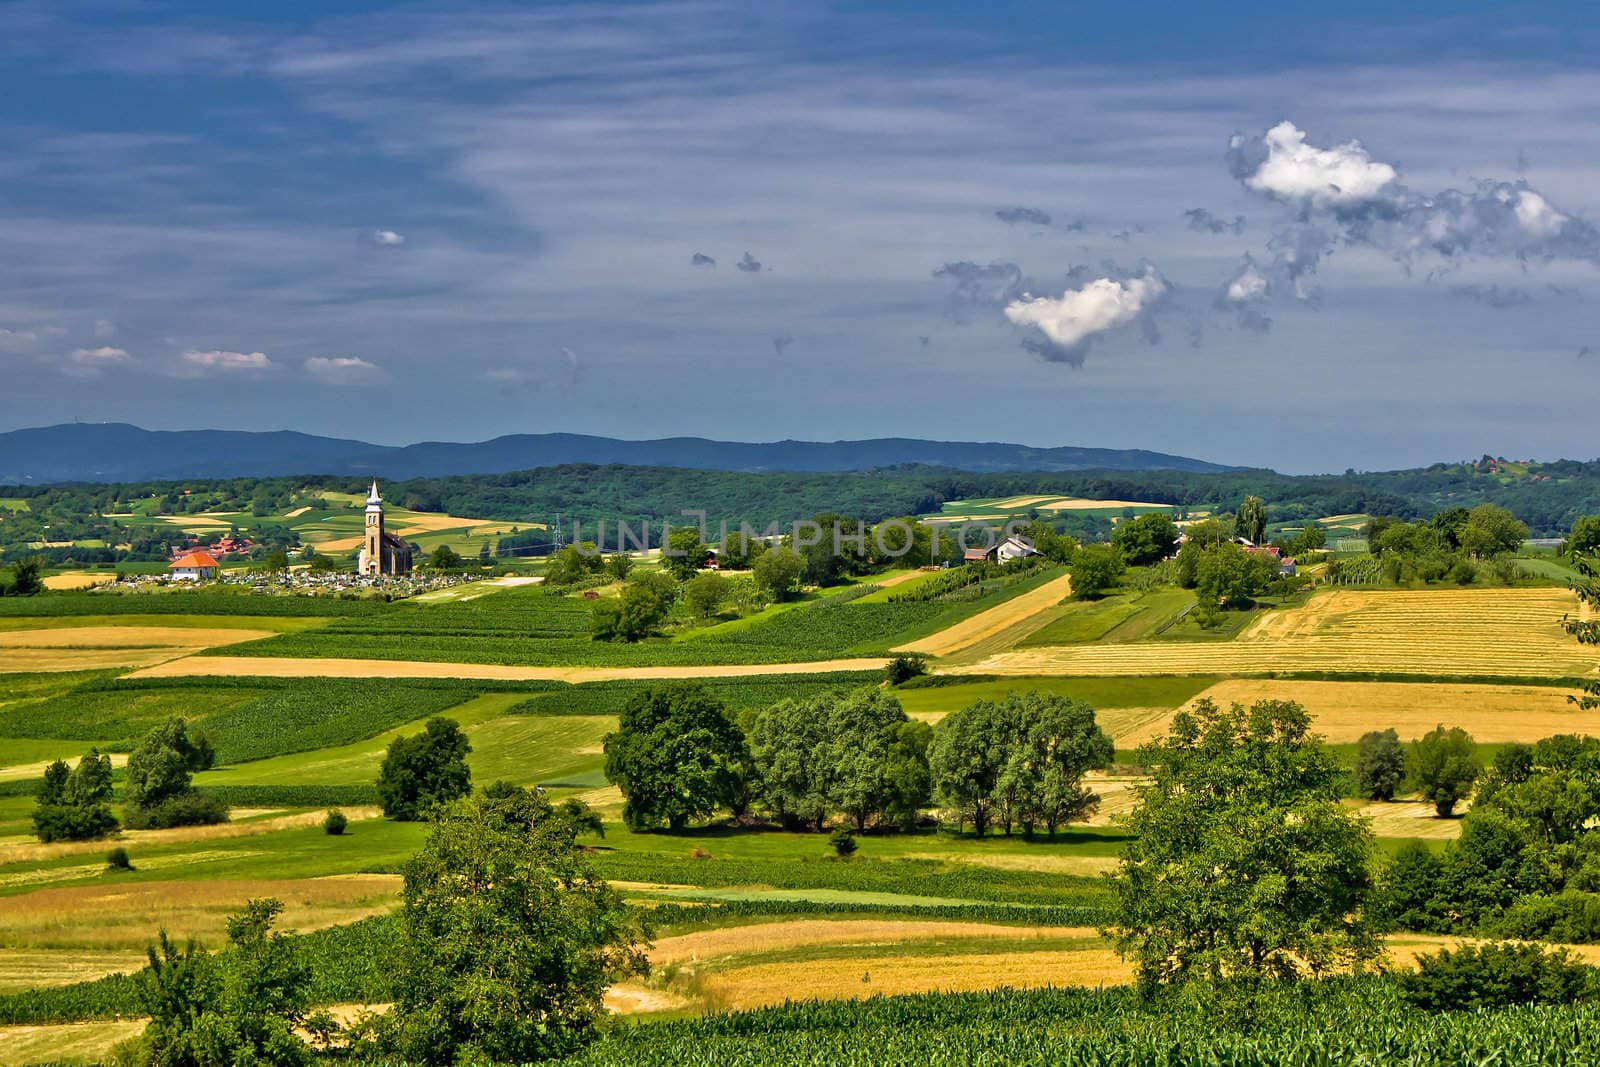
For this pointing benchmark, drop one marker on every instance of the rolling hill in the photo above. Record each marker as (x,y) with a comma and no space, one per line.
(118,452)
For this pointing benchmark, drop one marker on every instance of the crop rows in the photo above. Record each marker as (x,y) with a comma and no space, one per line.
(756,691)
(1110,1028)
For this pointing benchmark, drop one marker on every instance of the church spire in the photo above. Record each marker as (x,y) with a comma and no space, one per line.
(372,497)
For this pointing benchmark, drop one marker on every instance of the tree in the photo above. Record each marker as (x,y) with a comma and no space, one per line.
(903,667)
(1241,862)
(684,553)
(1584,539)
(739,551)
(778,573)
(675,755)
(1147,539)
(788,745)
(445,558)
(1057,741)
(637,612)
(26,579)
(424,770)
(1491,530)
(75,805)
(248,1012)
(1251,520)
(704,593)
(158,786)
(485,554)
(965,759)
(1095,569)
(510,939)
(1053,546)
(618,566)
(907,782)
(1380,764)
(1443,765)
(863,725)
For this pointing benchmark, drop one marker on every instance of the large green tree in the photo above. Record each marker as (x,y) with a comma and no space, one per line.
(676,756)
(158,785)
(1241,862)
(1491,530)
(685,553)
(778,573)
(424,770)
(1146,539)
(1380,764)
(638,611)
(510,939)
(75,805)
(1095,570)
(1442,765)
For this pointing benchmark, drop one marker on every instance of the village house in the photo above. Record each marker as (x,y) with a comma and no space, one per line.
(196,566)
(1011,548)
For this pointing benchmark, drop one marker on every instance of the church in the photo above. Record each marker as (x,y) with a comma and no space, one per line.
(382,553)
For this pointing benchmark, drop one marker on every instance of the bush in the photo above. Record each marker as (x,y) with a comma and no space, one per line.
(843,843)
(73,822)
(335,823)
(904,667)
(185,809)
(117,860)
(1498,976)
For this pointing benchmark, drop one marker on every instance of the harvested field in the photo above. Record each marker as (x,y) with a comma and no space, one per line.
(1498,632)
(288,667)
(1342,711)
(63,1042)
(27,850)
(78,580)
(80,648)
(1412,819)
(810,933)
(987,624)
(842,979)
(123,915)
(1077,504)
(22,969)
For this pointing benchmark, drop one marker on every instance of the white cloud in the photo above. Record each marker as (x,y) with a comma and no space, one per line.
(1536,215)
(88,362)
(1288,168)
(17,340)
(388,237)
(1078,314)
(344,370)
(1250,285)
(215,360)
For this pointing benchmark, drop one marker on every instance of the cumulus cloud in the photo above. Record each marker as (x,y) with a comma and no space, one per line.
(1069,322)
(1032,216)
(388,238)
(215,361)
(1204,221)
(1281,164)
(749,264)
(1342,196)
(700,259)
(89,362)
(344,370)
(781,345)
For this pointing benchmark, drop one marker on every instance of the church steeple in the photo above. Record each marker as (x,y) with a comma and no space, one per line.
(373,497)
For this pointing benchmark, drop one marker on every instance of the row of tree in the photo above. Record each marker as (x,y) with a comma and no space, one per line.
(678,756)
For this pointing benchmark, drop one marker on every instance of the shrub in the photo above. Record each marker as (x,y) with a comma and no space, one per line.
(1498,976)
(185,809)
(843,843)
(117,860)
(335,822)
(904,667)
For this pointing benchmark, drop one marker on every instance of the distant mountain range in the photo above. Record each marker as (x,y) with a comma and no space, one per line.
(118,452)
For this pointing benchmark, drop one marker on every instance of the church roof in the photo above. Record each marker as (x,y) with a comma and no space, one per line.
(192,559)
(373,497)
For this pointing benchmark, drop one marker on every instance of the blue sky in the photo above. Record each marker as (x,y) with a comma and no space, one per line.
(1285,236)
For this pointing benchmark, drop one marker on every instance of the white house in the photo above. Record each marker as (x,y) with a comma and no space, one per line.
(1012,548)
(196,566)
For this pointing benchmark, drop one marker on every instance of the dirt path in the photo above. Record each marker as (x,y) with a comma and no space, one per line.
(286,667)
(986,624)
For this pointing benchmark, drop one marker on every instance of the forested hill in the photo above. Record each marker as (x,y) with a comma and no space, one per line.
(116,452)
(1548,497)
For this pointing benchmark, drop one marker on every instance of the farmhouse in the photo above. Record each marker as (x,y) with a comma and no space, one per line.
(382,553)
(1011,548)
(196,566)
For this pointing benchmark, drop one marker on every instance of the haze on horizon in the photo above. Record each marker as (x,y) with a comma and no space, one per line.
(1282,238)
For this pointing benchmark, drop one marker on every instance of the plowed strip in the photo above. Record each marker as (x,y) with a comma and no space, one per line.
(286,667)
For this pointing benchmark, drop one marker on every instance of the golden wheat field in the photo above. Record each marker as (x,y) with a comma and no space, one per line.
(1485,632)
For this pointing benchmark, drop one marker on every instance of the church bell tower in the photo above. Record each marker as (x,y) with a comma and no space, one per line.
(372,548)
